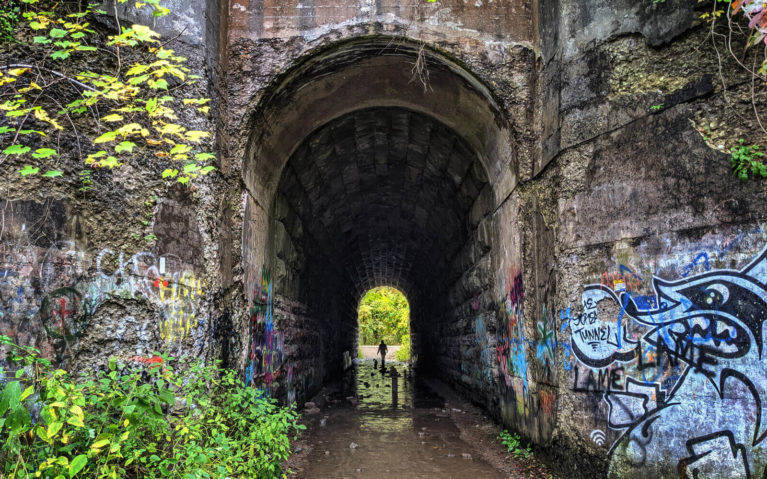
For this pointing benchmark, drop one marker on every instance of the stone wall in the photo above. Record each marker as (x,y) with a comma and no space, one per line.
(579,260)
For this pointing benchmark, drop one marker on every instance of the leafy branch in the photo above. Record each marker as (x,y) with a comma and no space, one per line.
(126,107)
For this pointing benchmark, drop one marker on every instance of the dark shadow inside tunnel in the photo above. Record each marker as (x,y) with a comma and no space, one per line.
(378,196)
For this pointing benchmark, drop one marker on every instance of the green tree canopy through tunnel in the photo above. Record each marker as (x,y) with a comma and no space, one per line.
(384,314)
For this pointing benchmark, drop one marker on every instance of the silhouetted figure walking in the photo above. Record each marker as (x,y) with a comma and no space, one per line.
(382,350)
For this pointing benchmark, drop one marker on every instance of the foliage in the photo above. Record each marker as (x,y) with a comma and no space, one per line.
(127,103)
(384,313)
(747,159)
(403,353)
(744,18)
(9,17)
(137,422)
(513,444)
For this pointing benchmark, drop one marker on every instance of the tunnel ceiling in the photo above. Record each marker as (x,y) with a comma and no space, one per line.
(386,194)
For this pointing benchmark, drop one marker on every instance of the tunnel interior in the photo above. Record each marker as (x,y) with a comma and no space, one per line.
(382,196)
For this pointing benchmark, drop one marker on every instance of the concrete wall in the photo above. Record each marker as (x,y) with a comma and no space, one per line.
(583,266)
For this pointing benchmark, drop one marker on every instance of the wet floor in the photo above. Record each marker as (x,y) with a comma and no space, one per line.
(398,426)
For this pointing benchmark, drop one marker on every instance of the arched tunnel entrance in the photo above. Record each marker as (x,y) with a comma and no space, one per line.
(379,196)
(364,170)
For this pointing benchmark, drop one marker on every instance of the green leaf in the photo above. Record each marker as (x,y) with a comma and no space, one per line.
(57,33)
(204,156)
(41,153)
(83,48)
(77,465)
(60,55)
(160,84)
(29,170)
(169,173)
(12,392)
(207,170)
(191,168)
(125,146)
(16,149)
(53,429)
(52,173)
(106,137)
(41,40)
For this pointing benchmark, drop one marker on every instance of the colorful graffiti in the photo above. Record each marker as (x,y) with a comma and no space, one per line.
(476,360)
(681,372)
(266,342)
(48,296)
(510,343)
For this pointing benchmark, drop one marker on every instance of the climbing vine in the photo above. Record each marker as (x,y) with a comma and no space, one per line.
(101,98)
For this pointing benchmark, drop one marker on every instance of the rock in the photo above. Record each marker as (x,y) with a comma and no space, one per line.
(466,456)
(451,455)
(299,450)
(421,434)
(353,445)
(309,405)
(323,421)
(456,410)
(312,411)
(327,453)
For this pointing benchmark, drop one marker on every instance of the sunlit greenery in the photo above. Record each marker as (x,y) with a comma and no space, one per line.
(384,313)
(140,419)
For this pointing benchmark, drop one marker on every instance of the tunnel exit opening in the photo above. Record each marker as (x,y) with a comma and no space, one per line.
(384,315)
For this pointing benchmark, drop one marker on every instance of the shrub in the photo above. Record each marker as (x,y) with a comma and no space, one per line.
(513,444)
(144,421)
(403,353)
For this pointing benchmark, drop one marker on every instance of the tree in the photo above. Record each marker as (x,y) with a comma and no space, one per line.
(384,313)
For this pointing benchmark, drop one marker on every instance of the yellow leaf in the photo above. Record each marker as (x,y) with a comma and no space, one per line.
(100,444)
(196,136)
(77,411)
(112,117)
(27,392)
(172,129)
(42,115)
(18,71)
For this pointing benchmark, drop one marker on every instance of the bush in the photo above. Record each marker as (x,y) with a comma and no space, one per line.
(144,421)
(9,17)
(514,444)
(403,353)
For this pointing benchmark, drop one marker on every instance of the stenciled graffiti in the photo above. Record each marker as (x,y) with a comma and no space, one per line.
(681,372)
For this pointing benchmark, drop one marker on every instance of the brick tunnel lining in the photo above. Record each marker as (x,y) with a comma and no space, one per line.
(379,196)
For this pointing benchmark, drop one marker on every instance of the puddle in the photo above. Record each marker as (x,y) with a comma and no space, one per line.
(398,426)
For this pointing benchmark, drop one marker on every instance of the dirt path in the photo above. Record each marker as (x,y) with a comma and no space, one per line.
(403,427)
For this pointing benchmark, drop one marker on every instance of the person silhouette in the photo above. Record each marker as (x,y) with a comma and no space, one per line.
(382,350)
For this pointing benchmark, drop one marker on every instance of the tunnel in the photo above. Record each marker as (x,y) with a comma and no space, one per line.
(375,164)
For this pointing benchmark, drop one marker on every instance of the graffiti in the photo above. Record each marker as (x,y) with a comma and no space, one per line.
(266,343)
(476,359)
(48,295)
(510,344)
(598,437)
(547,402)
(682,373)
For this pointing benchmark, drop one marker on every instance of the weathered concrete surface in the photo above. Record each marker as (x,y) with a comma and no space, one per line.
(501,163)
